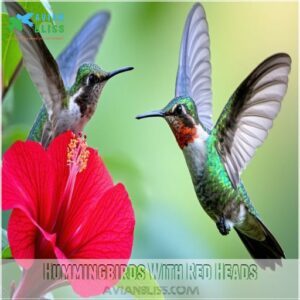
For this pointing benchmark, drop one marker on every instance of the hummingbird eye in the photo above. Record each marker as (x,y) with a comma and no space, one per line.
(93,79)
(178,110)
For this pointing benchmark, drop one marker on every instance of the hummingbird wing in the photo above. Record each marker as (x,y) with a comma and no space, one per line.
(194,70)
(247,117)
(39,63)
(83,47)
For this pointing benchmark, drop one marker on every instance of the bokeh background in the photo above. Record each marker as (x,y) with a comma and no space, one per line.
(144,154)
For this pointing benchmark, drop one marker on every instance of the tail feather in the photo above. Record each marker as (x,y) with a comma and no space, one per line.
(266,252)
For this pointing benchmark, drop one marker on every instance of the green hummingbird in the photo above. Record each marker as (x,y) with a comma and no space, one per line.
(71,86)
(217,155)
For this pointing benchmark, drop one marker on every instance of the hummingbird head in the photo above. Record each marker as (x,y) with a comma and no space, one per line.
(182,117)
(88,86)
(92,78)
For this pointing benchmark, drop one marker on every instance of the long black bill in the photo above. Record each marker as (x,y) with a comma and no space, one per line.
(154,113)
(116,72)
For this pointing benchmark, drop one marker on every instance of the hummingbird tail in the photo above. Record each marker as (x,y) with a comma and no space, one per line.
(266,252)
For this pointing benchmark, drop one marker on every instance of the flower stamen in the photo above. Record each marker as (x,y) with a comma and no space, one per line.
(77,153)
(77,159)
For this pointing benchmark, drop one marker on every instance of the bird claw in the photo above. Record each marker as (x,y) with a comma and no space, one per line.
(221,225)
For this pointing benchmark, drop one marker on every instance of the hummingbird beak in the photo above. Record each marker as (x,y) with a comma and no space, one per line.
(116,72)
(154,113)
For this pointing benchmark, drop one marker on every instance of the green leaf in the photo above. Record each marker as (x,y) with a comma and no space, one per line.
(11,54)
(130,283)
(42,7)
(6,252)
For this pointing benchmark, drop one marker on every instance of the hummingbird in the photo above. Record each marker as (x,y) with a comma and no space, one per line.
(217,154)
(71,86)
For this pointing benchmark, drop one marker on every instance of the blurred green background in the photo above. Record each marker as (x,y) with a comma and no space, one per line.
(143,154)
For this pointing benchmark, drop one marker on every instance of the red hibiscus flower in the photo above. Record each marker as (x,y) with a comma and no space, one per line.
(64,206)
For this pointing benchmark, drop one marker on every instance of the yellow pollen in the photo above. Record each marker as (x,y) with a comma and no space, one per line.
(77,153)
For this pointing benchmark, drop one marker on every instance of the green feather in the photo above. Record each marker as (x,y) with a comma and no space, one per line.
(36,131)
(214,188)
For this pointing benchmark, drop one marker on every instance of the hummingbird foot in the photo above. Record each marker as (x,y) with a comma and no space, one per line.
(222,226)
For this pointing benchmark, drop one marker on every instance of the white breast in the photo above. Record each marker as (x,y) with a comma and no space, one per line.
(70,118)
(73,106)
(195,153)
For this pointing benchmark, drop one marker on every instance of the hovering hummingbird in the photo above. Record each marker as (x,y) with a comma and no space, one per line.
(71,86)
(216,155)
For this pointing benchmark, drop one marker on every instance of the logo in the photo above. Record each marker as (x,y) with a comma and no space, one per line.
(40,22)
(18,21)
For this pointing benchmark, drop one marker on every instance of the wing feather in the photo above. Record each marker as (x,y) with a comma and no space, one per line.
(194,71)
(83,47)
(39,63)
(248,116)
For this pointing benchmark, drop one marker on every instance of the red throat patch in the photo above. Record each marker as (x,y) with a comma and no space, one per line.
(184,134)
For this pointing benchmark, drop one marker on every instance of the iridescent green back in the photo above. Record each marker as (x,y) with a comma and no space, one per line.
(36,131)
(215,165)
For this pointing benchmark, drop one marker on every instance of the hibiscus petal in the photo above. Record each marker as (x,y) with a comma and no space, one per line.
(91,277)
(107,235)
(95,179)
(22,234)
(28,181)
(90,186)
(28,240)
(108,232)
(57,152)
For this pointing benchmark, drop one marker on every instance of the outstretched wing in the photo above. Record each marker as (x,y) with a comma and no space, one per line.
(39,63)
(83,47)
(246,119)
(194,71)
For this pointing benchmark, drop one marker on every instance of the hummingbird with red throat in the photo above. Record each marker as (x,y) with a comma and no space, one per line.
(217,154)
